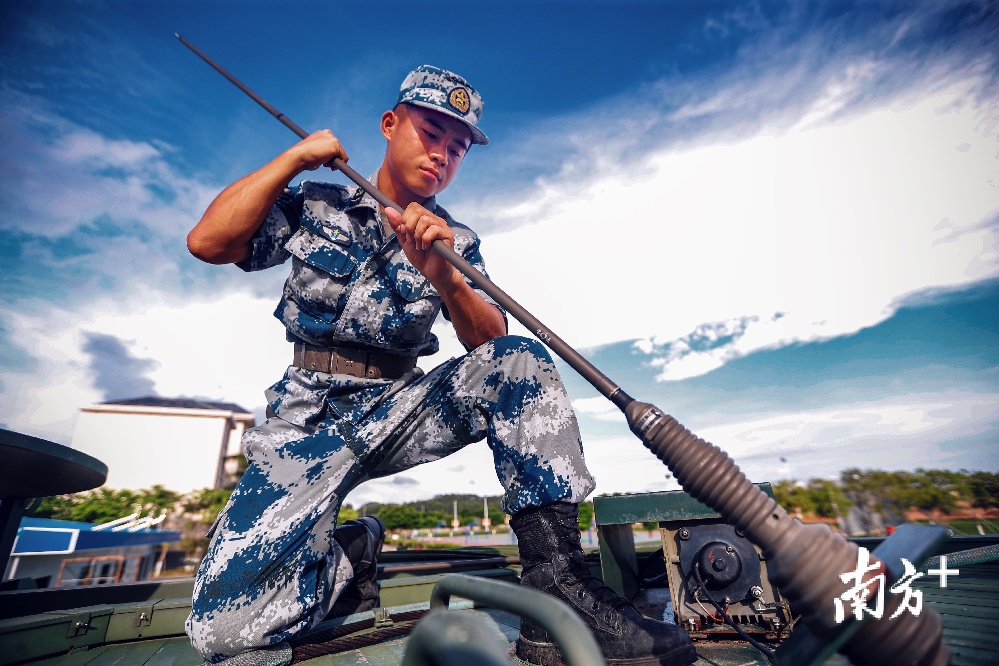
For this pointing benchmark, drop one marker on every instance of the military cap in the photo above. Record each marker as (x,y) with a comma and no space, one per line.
(444,91)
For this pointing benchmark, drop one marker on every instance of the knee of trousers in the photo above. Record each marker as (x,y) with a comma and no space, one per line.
(518,346)
(223,634)
(208,637)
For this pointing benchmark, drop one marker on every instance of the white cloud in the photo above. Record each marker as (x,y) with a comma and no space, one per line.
(829,224)
(228,348)
(896,433)
(85,147)
(600,409)
(60,177)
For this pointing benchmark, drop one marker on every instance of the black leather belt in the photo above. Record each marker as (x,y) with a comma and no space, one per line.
(354,362)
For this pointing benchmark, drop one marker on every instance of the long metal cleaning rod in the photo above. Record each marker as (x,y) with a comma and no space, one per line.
(599,380)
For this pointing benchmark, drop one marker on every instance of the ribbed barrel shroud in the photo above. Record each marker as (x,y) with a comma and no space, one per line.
(804,561)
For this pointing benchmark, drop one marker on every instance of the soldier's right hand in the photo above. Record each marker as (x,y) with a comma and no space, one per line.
(317,149)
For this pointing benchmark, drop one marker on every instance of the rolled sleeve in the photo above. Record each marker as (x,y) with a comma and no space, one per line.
(472,255)
(281,223)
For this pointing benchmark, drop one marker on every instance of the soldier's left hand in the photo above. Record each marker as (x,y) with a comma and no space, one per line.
(417,228)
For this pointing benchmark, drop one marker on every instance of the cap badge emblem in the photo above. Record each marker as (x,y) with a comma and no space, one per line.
(458,98)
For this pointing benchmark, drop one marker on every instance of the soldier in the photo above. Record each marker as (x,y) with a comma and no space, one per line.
(358,306)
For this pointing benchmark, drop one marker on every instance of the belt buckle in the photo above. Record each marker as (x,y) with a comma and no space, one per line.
(344,361)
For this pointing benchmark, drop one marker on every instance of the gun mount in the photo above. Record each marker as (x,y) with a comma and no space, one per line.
(806,559)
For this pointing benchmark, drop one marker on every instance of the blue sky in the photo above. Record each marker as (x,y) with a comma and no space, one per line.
(776,221)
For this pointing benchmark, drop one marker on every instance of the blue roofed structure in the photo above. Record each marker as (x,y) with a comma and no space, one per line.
(59,553)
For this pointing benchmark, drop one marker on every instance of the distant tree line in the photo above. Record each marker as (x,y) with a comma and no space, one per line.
(439,512)
(930,490)
(875,490)
(191,513)
(436,512)
(817,497)
(104,505)
(194,512)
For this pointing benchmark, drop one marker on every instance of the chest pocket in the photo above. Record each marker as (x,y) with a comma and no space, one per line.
(330,256)
(320,280)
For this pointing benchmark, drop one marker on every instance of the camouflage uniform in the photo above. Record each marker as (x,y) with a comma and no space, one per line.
(273,569)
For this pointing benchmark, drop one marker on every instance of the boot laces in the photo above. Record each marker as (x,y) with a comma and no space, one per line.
(579,576)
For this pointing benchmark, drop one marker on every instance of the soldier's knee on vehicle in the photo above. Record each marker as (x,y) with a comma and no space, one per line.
(220,636)
(518,344)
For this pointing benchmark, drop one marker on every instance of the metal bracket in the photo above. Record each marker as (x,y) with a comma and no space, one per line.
(383,618)
(79,624)
(143,616)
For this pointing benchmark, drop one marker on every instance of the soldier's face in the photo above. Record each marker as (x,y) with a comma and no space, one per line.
(425,148)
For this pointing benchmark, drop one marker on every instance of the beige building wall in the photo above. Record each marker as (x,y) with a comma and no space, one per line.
(177,448)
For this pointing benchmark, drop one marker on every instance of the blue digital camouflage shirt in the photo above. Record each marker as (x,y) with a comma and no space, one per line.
(351,283)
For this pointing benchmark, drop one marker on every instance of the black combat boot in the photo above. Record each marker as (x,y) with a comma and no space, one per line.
(552,559)
(361,541)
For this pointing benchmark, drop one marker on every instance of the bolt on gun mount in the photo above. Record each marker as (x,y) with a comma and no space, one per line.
(806,560)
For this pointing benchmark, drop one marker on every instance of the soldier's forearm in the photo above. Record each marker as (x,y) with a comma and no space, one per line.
(475,320)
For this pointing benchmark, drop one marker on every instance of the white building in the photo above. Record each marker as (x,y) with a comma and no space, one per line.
(178,443)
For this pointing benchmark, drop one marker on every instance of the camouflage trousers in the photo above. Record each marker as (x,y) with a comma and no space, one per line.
(273,570)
